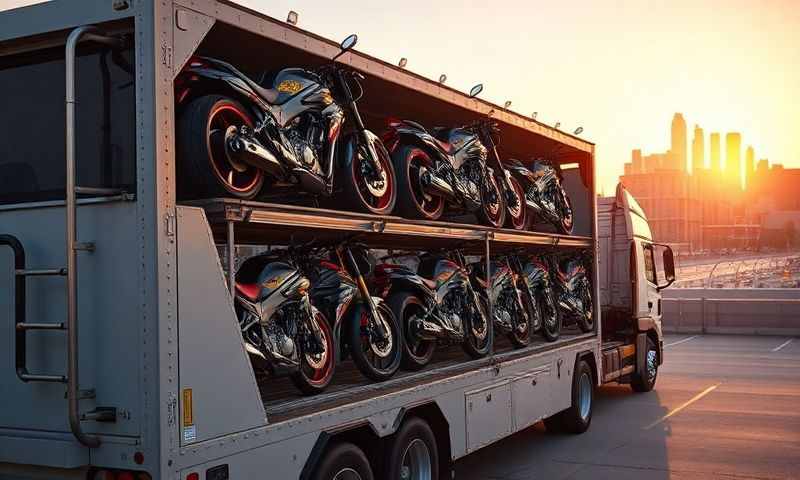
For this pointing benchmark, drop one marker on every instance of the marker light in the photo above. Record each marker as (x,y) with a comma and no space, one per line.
(291,19)
(442,78)
(402,63)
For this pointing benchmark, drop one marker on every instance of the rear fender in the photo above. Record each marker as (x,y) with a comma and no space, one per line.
(409,136)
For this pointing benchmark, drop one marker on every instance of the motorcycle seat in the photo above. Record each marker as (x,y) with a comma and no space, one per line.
(440,135)
(249,290)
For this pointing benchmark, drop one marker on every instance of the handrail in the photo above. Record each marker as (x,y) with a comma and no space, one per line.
(93,34)
(19,302)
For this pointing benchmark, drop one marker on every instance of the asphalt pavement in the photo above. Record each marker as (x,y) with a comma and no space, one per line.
(724,407)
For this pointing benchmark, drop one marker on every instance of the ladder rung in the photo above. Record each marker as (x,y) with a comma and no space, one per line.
(40,326)
(31,377)
(85,246)
(98,191)
(41,272)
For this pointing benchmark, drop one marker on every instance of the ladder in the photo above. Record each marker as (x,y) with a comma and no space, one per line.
(21,272)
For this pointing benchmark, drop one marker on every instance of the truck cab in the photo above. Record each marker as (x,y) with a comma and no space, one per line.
(633,269)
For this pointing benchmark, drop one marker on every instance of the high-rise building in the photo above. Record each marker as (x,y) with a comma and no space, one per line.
(698,149)
(716,159)
(637,166)
(749,165)
(733,159)
(678,148)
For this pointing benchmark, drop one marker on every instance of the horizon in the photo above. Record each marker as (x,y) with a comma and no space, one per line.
(633,66)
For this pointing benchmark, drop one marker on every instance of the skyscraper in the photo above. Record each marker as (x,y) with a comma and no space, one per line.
(749,164)
(716,160)
(698,149)
(733,158)
(678,143)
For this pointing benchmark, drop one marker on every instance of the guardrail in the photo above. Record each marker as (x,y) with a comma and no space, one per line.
(773,311)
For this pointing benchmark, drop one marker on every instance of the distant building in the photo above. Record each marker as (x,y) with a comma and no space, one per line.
(698,149)
(733,159)
(678,144)
(749,165)
(716,159)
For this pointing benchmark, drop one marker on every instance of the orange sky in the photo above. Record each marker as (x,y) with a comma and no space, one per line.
(618,68)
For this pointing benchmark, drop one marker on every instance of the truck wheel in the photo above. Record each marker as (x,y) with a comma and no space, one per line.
(344,461)
(578,417)
(645,381)
(416,353)
(412,453)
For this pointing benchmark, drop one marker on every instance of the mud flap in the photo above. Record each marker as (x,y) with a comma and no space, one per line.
(641,352)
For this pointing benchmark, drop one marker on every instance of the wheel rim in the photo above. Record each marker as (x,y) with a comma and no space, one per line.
(427,203)
(493,209)
(652,364)
(585,394)
(376,191)
(517,213)
(379,355)
(416,462)
(223,122)
(417,348)
(479,325)
(319,366)
(551,318)
(347,474)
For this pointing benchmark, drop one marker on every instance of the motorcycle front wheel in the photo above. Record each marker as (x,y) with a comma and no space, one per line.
(520,335)
(565,215)
(206,167)
(478,331)
(518,216)
(364,189)
(416,352)
(586,318)
(413,201)
(377,360)
(493,204)
(551,315)
(316,369)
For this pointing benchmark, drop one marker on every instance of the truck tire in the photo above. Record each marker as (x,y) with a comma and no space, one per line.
(577,418)
(412,452)
(344,460)
(645,381)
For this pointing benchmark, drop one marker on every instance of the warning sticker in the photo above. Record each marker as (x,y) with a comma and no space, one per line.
(189,434)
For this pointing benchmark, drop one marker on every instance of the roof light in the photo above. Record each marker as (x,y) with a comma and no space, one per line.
(578,130)
(442,78)
(534,115)
(558,124)
(291,19)
(507,104)
(403,62)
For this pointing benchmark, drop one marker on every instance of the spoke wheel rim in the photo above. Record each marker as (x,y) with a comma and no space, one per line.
(416,462)
(375,192)
(652,364)
(223,122)
(518,212)
(318,366)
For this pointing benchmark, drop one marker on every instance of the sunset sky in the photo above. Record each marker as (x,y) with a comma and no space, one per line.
(619,68)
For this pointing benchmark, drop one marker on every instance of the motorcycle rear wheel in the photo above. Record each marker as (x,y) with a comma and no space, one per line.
(493,213)
(412,200)
(362,348)
(316,370)
(416,353)
(205,167)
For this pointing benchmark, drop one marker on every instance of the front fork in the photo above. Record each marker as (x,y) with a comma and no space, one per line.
(350,262)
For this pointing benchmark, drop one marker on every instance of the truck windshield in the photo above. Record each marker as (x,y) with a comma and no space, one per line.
(32,125)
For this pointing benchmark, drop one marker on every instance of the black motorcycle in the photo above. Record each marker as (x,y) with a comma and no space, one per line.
(436,304)
(233,133)
(544,194)
(508,308)
(444,166)
(538,295)
(573,289)
(364,325)
(284,334)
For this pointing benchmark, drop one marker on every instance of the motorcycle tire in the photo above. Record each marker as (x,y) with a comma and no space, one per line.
(355,193)
(493,215)
(586,318)
(518,218)
(416,353)
(473,344)
(369,363)
(567,223)
(316,371)
(412,201)
(551,314)
(521,338)
(204,167)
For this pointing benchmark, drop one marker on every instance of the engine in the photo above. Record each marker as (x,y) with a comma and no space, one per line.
(307,138)
(470,175)
(454,307)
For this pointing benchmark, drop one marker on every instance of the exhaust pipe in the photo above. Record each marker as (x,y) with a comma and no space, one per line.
(533,206)
(430,331)
(252,153)
(436,185)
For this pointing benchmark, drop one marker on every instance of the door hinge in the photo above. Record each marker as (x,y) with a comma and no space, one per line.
(169,224)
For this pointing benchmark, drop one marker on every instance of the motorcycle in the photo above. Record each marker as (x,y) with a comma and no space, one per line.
(538,295)
(233,133)
(544,193)
(573,289)
(363,324)
(510,315)
(284,334)
(435,304)
(444,166)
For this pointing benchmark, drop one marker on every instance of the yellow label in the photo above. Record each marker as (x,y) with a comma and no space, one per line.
(289,86)
(187,407)
(273,282)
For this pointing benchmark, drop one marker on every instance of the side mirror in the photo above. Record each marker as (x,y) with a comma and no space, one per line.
(474,91)
(349,42)
(669,267)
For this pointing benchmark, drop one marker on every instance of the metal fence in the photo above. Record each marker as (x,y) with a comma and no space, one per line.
(766,271)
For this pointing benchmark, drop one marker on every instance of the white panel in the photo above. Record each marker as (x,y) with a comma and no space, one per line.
(488,413)
(531,397)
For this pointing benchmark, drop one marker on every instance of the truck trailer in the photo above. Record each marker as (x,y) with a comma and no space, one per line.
(124,357)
